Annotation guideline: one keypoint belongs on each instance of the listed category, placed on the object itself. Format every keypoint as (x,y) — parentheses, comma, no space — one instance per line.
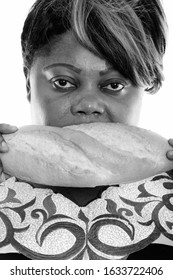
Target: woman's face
(73,86)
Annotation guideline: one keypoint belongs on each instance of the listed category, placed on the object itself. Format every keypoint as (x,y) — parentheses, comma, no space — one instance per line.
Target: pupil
(114,85)
(62,82)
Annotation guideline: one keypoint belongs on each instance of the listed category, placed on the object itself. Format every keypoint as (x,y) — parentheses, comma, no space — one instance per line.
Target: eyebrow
(54,65)
(107,71)
(76,69)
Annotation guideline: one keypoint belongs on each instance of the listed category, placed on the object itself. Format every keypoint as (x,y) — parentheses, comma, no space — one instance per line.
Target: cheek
(38,111)
(127,109)
(47,107)
(134,107)
(50,112)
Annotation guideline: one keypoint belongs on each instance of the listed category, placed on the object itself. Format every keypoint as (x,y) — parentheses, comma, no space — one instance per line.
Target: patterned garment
(43,225)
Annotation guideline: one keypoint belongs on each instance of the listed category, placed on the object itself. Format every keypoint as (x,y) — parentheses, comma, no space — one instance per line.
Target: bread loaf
(85,155)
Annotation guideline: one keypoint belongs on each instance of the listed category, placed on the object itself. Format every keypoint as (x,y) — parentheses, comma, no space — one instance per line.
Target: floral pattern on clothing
(43,225)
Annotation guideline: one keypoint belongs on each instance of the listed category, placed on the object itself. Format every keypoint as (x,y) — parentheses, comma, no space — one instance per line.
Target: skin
(62,95)
(72,86)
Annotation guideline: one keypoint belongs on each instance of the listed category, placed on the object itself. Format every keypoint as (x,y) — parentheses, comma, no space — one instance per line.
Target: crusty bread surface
(85,155)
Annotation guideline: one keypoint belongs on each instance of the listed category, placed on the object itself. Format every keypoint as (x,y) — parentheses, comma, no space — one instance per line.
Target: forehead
(66,49)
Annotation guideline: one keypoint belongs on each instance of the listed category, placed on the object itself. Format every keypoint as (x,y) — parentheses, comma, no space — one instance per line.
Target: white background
(14,108)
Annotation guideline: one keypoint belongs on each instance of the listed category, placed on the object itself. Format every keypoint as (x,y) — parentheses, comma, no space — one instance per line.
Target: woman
(91,61)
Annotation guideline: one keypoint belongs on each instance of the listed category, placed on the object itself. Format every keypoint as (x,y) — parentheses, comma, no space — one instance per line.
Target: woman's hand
(4,129)
(170,153)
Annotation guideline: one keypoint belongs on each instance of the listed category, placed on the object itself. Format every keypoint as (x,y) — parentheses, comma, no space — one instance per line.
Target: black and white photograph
(86,131)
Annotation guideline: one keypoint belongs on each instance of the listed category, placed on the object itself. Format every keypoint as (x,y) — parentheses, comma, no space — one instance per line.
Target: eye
(113,87)
(62,84)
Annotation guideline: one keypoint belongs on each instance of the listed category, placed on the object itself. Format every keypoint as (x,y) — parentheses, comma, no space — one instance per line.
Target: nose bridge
(90,97)
(88,101)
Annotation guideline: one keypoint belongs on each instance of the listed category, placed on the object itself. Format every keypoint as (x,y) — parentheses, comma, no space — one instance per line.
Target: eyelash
(74,85)
(120,87)
(61,87)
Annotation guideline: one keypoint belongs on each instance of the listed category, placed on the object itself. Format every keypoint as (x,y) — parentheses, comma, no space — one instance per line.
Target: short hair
(129,34)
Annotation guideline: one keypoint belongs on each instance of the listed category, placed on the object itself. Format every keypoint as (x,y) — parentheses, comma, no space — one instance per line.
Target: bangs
(128,34)
(114,31)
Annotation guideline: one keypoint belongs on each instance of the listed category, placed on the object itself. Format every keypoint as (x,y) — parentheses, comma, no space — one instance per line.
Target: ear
(28,88)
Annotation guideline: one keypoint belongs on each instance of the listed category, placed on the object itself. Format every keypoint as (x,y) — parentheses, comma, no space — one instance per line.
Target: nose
(88,105)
